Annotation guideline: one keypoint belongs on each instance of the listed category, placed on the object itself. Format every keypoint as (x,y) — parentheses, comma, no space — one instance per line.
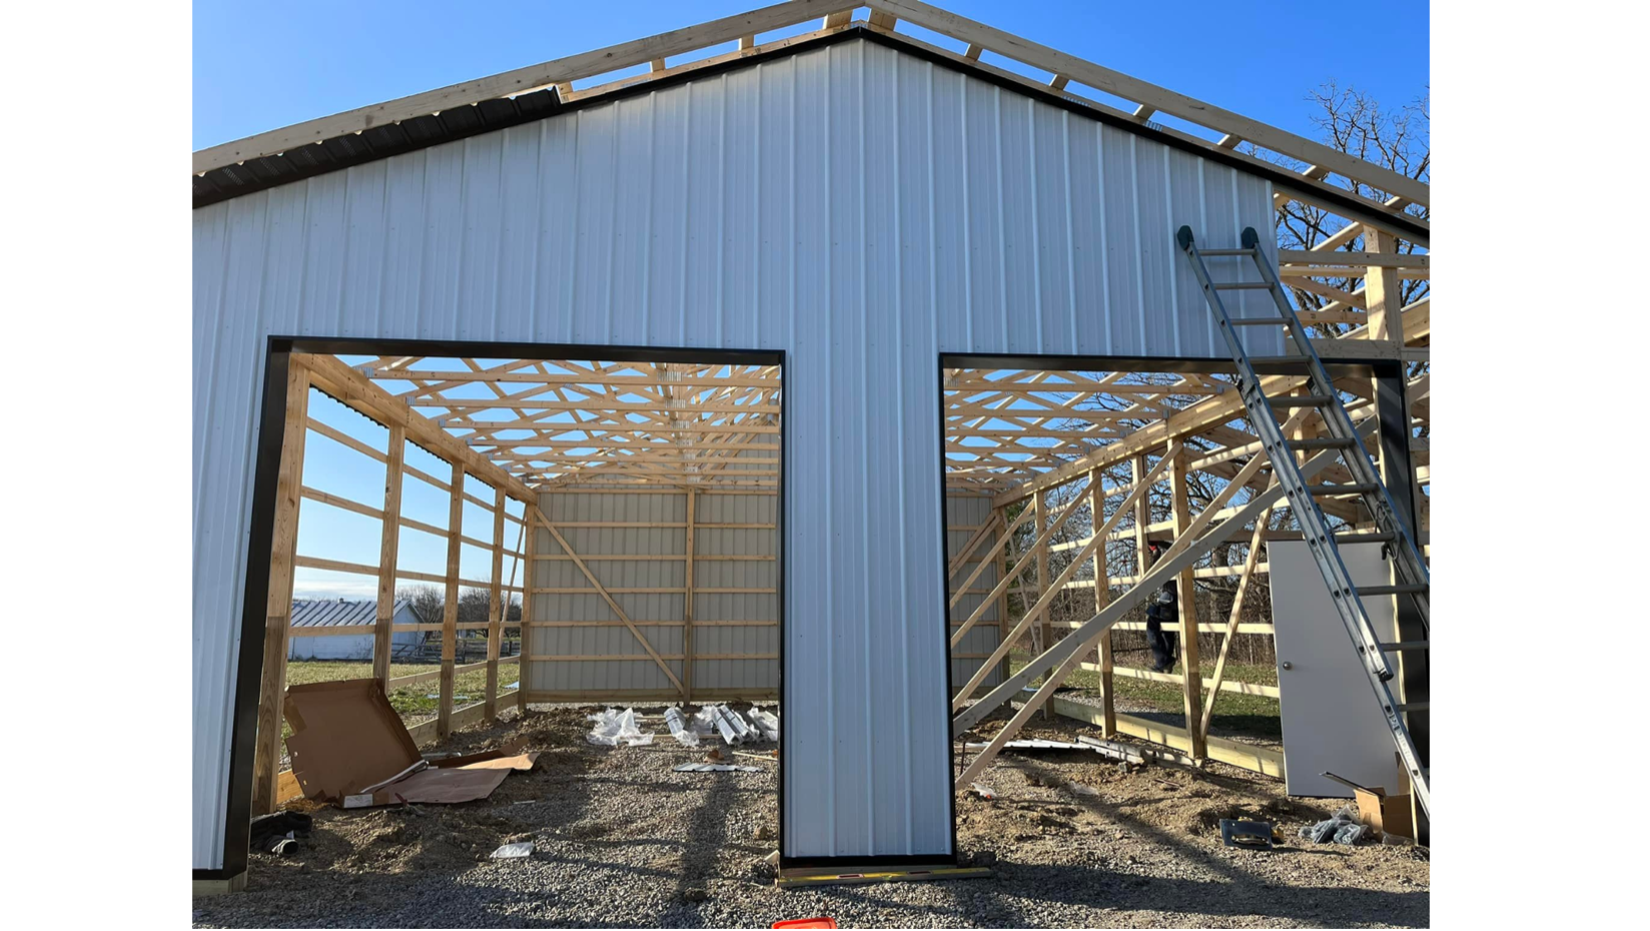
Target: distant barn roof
(338,612)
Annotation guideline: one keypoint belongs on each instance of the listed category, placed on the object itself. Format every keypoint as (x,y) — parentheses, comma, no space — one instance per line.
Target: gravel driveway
(623,841)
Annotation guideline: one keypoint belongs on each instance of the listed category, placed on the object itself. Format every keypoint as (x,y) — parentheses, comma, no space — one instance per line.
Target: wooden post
(1191,673)
(1003,624)
(529,579)
(1102,597)
(498,606)
(1383,290)
(1039,634)
(687,603)
(1236,618)
(389,548)
(283,553)
(1413,667)
(1142,515)
(449,613)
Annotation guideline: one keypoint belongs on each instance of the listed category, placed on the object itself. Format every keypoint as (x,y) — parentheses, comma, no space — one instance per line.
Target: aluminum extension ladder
(1414,580)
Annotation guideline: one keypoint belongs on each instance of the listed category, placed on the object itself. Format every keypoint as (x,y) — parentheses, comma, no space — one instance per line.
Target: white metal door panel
(1331,720)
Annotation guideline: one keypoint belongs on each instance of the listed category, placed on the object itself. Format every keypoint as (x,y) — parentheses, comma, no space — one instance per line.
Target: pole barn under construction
(883,223)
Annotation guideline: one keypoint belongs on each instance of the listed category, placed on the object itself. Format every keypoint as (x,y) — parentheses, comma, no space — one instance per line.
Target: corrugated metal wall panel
(603,677)
(876,189)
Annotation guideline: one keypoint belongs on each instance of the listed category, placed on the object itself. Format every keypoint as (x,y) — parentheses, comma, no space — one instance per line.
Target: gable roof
(514,97)
(338,612)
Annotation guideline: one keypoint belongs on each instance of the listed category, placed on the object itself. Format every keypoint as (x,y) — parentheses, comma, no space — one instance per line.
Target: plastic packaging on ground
(679,729)
(613,726)
(1342,828)
(766,724)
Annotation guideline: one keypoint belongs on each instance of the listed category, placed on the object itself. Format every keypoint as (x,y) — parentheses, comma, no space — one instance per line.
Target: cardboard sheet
(345,737)
(508,756)
(433,787)
(349,746)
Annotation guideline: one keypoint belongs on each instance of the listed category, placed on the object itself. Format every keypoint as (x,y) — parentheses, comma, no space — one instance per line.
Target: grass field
(409,701)
(1243,714)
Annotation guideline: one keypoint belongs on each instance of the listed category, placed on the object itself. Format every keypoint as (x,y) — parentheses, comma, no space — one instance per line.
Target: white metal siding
(860,209)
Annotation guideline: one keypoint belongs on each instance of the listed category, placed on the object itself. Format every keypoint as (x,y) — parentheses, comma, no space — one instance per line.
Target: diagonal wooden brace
(1183,554)
(602,591)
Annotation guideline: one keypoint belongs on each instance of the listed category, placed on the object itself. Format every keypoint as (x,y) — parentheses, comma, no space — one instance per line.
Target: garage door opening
(1059,483)
(494,536)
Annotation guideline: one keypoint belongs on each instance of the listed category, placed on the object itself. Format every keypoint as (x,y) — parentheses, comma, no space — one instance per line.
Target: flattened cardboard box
(348,744)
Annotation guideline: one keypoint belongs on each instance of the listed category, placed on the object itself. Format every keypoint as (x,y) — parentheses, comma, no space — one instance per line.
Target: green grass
(411,700)
(1244,714)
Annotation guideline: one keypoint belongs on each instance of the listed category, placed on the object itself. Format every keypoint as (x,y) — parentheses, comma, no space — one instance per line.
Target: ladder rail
(1319,537)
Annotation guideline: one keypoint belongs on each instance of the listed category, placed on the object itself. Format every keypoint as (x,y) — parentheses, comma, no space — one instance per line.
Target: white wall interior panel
(571,620)
(855,207)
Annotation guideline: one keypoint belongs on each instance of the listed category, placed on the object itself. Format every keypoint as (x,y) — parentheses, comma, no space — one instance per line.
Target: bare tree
(1353,122)
(428,603)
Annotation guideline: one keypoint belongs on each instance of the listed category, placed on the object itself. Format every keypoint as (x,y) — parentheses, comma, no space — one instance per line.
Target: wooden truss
(560,422)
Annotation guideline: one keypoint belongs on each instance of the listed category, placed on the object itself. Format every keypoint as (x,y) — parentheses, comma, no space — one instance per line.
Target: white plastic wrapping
(766,724)
(613,726)
(678,728)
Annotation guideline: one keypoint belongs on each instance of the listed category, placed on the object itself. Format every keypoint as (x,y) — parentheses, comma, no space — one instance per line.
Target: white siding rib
(860,216)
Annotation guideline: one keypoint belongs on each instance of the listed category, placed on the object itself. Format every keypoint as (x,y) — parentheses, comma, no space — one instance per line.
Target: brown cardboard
(345,737)
(434,787)
(349,746)
(508,756)
(1389,814)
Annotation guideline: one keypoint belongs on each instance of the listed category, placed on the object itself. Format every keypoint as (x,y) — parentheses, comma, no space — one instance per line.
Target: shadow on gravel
(1242,893)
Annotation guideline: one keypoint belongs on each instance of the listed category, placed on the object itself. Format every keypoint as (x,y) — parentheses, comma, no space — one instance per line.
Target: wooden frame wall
(556,547)
(333,378)
(1159,457)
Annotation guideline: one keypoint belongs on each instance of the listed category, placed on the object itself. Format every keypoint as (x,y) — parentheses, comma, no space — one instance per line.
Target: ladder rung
(1404,589)
(1357,489)
(1322,442)
(1416,706)
(1405,645)
(1257,321)
(1300,400)
(1365,537)
(1218,252)
(1241,286)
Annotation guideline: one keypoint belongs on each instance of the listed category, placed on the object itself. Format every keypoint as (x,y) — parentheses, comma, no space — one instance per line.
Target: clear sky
(327,532)
(256,71)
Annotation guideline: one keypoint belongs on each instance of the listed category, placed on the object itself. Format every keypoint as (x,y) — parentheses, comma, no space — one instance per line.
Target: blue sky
(258,72)
(327,532)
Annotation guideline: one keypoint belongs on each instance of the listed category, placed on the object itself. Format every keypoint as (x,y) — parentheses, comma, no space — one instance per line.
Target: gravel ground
(622,841)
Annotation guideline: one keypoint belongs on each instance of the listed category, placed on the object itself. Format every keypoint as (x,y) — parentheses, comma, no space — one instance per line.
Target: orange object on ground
(807,923)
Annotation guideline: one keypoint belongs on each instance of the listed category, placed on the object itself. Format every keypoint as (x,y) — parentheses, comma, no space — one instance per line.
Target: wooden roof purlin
(1014,433)
(558,422)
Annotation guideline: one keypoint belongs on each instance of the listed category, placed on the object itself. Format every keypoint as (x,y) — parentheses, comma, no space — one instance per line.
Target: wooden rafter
(557,422)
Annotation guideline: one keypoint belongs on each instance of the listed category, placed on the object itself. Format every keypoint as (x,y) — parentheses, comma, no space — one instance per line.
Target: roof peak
(538,91)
